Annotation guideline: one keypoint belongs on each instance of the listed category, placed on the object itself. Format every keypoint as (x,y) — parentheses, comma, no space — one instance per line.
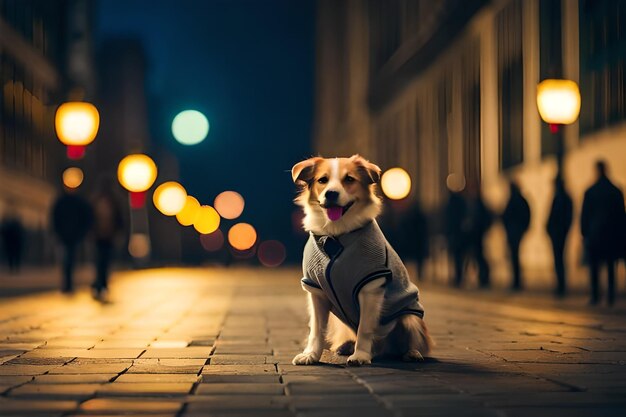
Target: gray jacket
(340,266)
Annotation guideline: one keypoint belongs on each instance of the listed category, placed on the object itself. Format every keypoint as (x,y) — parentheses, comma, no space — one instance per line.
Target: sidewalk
(219,342)
(37,279)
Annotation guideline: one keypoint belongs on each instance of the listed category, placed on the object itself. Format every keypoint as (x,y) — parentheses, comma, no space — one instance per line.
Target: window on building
(602,63)
(510,84)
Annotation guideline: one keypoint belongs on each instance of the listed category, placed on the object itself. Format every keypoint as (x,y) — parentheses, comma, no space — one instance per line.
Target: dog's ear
(302,172)
(370,173)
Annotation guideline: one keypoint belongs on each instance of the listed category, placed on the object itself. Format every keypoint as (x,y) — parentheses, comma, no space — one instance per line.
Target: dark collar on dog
(332,245)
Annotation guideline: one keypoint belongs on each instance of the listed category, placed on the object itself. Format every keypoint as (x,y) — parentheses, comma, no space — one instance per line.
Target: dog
(351,271)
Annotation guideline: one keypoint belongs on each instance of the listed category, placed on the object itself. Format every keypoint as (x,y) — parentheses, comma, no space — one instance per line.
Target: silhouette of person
(108,225)
(559,223)
(455,213)
(72,218)
(516,219)
(415,232)
(477,222)
(601,223)
(12,234)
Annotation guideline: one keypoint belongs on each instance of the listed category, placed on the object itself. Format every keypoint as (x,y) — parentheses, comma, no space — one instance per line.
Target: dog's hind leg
(417,341)
(341,337)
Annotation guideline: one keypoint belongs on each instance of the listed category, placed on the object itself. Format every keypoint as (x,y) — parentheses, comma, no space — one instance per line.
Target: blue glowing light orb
(190,127)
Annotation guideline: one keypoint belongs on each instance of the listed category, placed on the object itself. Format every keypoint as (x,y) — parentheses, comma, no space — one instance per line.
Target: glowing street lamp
(169,198)
(73,177)
(137,173)
(396,183)
(558,102)
(76,124)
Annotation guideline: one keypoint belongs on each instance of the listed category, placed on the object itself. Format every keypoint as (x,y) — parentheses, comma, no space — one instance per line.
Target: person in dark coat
(72,218)
(476,224)
(559,223)
(108,225)
(516,220)
(601,223)
(455,213)
(415,232)
(12,234)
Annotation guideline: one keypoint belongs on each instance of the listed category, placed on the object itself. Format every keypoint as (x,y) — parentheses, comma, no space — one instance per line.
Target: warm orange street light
(76,125)
(396,183)
(73,177)
(188,214)
(137,173)
(242,236)
(207,220)
(169,198)
(558,101)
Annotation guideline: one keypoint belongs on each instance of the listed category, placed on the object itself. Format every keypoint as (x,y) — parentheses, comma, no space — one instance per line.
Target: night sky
(249,66)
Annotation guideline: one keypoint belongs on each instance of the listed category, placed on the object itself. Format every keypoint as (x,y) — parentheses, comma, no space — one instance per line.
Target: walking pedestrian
(108,226)
(516,219)
(455,213)
(601,222)
(72,218)
(12,234)
(415,232)
(476,225)
(559,223)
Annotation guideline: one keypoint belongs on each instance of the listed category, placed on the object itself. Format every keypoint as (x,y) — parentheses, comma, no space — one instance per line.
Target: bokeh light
(242,236)
(190,127)
(396,183)
(207,220)
(169,198)
(188,214)
(212,242)
(229,204)
(558,101)
(272,253)
(137,172)
(73,177)
(76,123)
(455,182)
(139,245)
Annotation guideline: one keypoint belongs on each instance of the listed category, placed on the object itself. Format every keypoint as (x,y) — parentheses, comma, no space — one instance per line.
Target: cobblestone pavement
(219,342)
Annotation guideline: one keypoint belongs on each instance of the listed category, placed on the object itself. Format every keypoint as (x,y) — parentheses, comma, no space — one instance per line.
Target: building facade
(447,90)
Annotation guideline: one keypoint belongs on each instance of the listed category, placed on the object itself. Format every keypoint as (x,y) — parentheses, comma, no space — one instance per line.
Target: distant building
(37,38)
(449,87)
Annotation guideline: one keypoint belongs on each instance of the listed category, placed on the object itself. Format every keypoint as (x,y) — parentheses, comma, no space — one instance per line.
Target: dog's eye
(322,180)
(348,178)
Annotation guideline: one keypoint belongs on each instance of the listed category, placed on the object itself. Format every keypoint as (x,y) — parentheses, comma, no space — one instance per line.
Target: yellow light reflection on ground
(229,204)
(170,198)
(73,177)
(188,214)
(207,220)
(242,236)
(396,183)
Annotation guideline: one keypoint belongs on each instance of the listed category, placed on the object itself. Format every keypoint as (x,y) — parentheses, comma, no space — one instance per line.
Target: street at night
(312,208)
(219,342)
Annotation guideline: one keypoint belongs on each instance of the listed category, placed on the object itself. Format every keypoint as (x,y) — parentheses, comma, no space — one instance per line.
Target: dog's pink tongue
(334,213)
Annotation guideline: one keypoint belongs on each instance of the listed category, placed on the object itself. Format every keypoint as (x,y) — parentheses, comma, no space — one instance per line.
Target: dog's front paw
(306,358)
(413,356)
(359,358)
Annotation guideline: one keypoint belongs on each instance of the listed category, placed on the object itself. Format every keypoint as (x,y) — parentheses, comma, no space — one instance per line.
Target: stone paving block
(206,403)
(73,378)
(214,369)
(356,411)
(144,389)
(240,388)
(25,369)
(257,379)
(38,361)
(238,359)
(55,391)
(259,412)
(321,369)
(115,406)
(167,366)
(170,343)
(318,402)
(195,352)
(8,380)
(251,349)
(157,378)
(72,368)
(122,344)
(25,406)
(325,388)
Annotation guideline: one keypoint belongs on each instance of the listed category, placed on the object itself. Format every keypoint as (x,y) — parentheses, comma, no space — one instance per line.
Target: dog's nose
(332,196)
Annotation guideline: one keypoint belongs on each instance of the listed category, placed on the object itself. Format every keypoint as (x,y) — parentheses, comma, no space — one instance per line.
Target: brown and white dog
(338,196)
